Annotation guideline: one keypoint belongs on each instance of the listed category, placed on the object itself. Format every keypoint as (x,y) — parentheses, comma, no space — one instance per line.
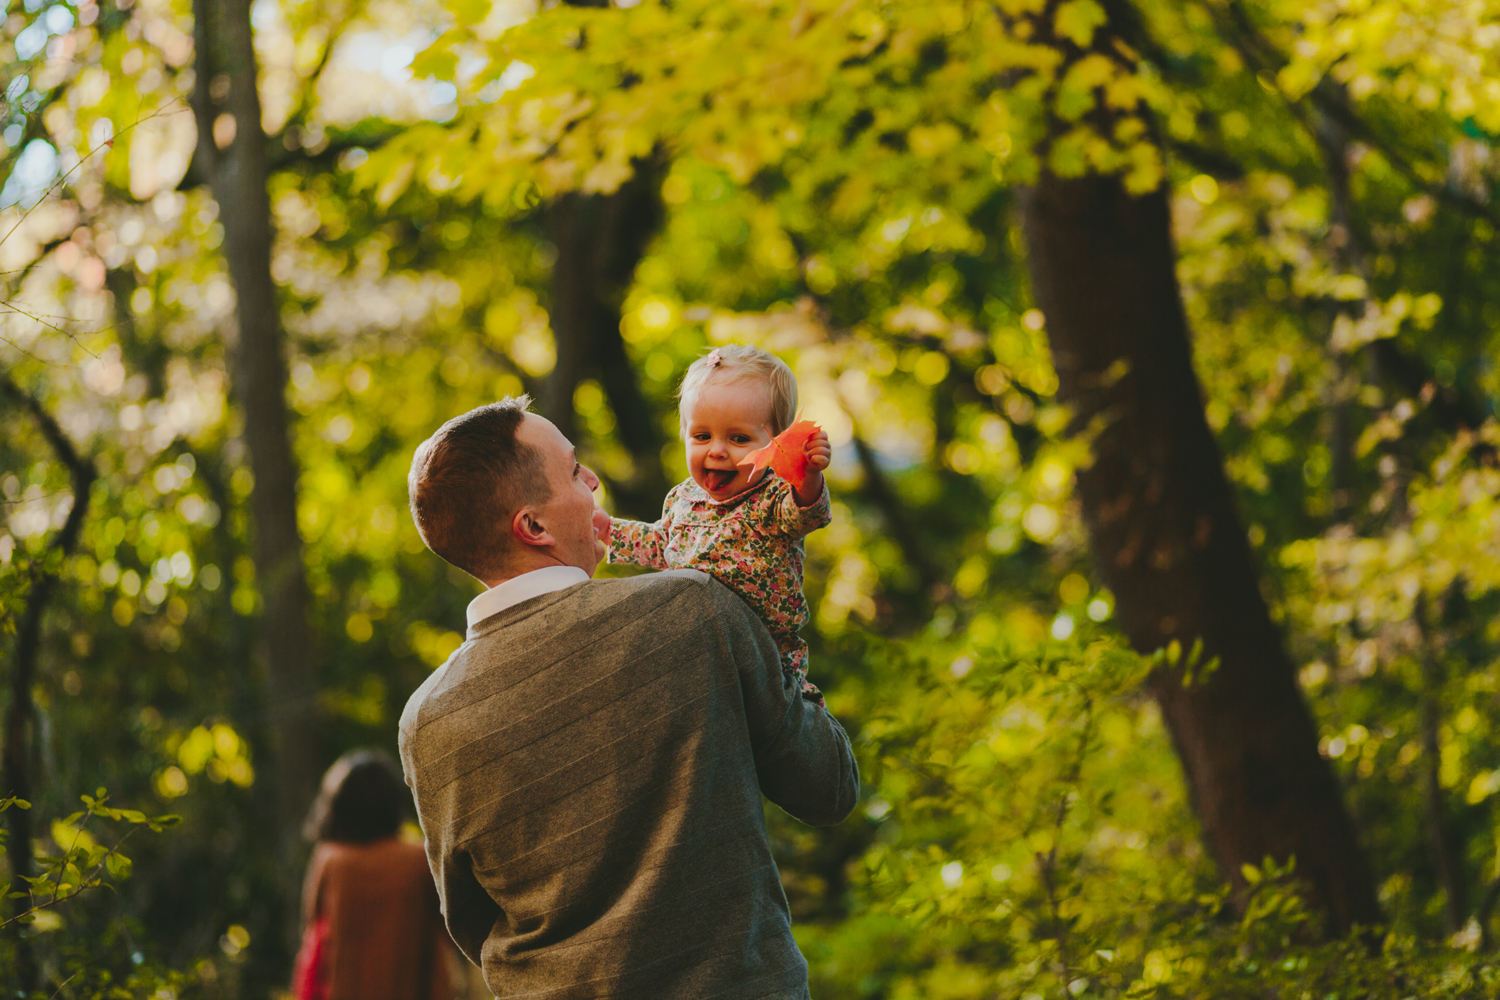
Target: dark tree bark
(149,356)
(1168,541)
(226,85)
(20,714)
(1441,840)
(600,240)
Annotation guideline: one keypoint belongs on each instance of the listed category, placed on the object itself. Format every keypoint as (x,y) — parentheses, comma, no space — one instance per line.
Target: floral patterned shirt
(752,543)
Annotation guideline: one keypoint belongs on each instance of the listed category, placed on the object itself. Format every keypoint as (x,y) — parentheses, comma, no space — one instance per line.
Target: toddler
(743,526)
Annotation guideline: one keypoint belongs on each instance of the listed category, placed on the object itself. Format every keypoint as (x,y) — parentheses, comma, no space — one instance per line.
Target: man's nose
(589,479)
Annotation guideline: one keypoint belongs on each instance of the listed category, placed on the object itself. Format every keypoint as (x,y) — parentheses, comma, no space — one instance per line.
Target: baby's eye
(700,437)
(740,439)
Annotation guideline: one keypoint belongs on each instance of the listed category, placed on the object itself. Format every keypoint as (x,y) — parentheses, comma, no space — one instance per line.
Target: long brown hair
(362,799)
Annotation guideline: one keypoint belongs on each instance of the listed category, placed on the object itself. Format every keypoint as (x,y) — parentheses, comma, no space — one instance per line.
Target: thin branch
(81,469)
(57,882)
(26,500)
(93,880)
(106,144)
(64,983)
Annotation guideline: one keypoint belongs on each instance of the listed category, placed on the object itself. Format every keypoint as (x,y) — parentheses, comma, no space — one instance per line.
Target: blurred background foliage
(837,183)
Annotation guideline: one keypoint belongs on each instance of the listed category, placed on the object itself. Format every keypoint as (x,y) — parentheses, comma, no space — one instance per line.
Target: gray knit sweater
(588,768)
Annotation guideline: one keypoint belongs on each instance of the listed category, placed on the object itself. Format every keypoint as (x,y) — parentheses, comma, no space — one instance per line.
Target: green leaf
(469,12)
(439,63)
(1077,20)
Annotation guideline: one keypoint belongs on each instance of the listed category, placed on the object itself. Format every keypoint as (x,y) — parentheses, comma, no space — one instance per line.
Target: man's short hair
(468,480)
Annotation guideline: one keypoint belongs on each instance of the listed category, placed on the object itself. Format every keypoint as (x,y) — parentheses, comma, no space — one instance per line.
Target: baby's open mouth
(718,479)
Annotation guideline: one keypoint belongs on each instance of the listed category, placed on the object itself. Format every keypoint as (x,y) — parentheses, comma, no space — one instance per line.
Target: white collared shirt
(523,588)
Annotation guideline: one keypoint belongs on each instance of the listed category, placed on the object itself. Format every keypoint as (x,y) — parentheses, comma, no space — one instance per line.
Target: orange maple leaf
(786,454)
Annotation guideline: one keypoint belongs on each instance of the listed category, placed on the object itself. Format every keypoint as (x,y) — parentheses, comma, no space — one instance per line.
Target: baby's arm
(788,516)
(636,543)
(818,454)
(799,511)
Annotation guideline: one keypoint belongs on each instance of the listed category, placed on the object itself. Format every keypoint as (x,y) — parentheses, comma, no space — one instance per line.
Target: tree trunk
(20,714)
(238,175)
(1440,836)
(1168,542)
(600,240)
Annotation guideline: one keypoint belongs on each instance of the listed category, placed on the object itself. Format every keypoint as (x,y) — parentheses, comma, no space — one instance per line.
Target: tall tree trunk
(226,85)
(600,240)
(1440,837)
(20,714)
(1168,541)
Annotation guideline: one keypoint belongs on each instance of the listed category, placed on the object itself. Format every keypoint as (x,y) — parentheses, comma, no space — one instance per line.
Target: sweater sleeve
(468,910)
(788,517)
(803,759)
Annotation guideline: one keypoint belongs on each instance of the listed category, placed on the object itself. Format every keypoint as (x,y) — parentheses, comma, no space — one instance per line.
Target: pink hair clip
(714,358)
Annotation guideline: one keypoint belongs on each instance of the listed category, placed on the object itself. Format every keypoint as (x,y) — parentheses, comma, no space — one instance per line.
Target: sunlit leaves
(732,84)
(84,862)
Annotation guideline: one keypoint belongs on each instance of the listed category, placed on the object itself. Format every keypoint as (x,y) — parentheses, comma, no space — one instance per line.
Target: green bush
(1032,840)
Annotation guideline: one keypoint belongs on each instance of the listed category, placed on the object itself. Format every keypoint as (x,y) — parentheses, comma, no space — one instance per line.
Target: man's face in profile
(578,526)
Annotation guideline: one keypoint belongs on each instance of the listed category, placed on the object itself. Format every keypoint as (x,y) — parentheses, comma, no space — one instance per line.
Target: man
(588,766)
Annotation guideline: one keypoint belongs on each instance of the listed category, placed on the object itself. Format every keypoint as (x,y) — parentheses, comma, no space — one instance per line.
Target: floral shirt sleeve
(636,543)
(785,516)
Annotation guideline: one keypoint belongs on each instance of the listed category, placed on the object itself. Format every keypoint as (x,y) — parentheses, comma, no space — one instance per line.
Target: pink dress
(752,543)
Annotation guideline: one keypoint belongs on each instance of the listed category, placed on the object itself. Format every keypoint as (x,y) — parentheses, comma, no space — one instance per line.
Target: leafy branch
(84,864)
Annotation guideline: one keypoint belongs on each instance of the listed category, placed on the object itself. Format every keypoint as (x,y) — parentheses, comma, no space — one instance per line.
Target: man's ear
(528,529)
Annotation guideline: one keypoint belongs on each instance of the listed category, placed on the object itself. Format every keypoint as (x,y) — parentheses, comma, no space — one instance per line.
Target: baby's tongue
(718,479)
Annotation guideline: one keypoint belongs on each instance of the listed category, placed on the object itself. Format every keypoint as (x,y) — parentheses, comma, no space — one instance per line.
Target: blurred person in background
(372,929)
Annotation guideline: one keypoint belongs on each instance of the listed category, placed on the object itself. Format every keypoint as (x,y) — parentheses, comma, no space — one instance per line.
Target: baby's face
(722,424)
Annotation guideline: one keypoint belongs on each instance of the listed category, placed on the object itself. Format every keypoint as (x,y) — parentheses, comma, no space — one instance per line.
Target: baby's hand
(818,452)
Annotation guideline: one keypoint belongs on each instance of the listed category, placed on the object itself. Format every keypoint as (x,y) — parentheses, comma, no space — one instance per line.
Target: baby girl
(745,526)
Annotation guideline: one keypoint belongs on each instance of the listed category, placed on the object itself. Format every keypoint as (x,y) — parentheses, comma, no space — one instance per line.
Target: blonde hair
(742,363)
